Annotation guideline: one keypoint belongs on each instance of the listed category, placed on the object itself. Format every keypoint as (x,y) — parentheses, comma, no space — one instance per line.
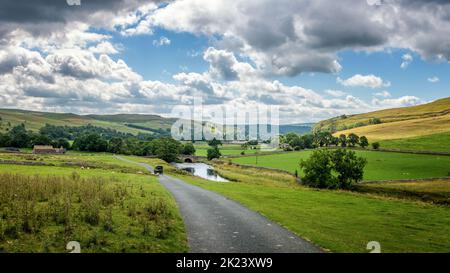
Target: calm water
(201,170)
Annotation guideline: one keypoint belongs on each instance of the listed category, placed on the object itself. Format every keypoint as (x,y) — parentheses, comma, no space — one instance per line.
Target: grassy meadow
(226,150)
(432,143)
(339,221)
(105,204)
(381,165)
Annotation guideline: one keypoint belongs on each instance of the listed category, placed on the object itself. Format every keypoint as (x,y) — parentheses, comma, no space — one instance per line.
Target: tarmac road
(216,224)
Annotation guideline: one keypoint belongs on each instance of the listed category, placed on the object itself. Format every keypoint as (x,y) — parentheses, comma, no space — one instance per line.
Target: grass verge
(337,220)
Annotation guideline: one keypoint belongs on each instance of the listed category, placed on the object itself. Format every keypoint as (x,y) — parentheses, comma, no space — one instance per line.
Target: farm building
(44,149)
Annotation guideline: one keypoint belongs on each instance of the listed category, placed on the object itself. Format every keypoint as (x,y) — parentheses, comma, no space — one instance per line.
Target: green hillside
(127,123)
(439,108)
(424,127)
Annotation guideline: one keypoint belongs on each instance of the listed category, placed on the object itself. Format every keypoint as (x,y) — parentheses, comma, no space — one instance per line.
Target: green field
(226,150)
(337,220)
(109,206)
(433,143)
(381,165)
(36,120)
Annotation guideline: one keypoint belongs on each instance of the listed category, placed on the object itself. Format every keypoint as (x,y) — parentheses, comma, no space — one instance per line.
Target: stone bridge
(189,158)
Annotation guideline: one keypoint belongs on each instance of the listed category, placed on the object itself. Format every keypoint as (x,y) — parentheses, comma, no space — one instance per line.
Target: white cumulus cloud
(359,80)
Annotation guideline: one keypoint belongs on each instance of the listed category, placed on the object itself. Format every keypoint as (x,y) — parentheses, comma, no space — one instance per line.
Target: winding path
(216,224)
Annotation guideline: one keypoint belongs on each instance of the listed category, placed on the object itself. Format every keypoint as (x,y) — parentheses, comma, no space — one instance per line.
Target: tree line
(96,139)
(293,141)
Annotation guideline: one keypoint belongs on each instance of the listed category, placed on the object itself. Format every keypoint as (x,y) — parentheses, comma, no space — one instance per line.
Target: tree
(213,153)
(317,169)
(349,167)
(353,139)
(55,132)
(115,145)
(40,139)
(363,142)
(5,140)
(214,142)
(19,137)
(296,142)
(167,149)
(90,143)
(323,138)
(308,141)
(337,169)
(376,145)
(334,141)
(188,149)
(343,140)
(62,142)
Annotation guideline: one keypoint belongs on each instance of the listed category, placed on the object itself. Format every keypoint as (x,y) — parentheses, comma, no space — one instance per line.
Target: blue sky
(185,53)
(312,59)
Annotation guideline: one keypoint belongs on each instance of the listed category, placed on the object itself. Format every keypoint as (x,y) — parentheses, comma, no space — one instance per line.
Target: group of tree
(292,141)
(72,132)
(95,139)
(19,137)
(165,148)
(333,169)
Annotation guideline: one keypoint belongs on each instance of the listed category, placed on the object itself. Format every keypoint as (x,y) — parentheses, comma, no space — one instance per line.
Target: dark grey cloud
(334,25)
(43,16)
(285,37)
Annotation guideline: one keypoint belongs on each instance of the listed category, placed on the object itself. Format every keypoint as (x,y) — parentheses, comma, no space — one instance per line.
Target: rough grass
(106,210)
(431,191)
(433,143)
(76,160)
(337,220)
(381,165)
(437,108)
(403,129)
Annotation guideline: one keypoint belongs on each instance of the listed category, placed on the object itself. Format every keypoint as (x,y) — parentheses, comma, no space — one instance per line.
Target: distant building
(45,149)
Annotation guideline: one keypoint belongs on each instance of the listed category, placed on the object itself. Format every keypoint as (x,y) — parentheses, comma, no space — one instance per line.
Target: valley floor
(141,216)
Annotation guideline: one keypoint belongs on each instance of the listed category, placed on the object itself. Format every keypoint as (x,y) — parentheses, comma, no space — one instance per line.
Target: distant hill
(127,123)
(302,128)
(419,125)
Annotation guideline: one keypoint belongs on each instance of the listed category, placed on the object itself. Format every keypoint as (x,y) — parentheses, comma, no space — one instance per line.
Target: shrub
(213,153)
(188,149)
(376,145)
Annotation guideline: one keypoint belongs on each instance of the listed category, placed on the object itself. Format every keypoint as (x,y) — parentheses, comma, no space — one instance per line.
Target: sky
(312,59)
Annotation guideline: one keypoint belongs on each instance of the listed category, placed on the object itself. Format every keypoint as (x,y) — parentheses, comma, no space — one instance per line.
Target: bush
(188,149)
(376,145)
(213,153)
(337,169)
